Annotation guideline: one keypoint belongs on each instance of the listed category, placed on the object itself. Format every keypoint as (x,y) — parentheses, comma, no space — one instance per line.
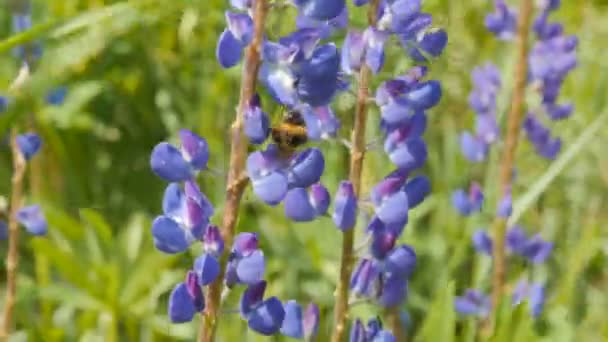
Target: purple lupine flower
(537,250)
(212,241)
(357,332)
(32,218)
(537,299)
(374,48)
(429,44)
(505,206)
(207,268)
(540,136)
(304,206)
(318,76)
(246,263)
(266,170)
(298,206)
(234,39)
(353,52)
(503,22)
(3,230)
(474,303)
(390,201)
(400,262)
(3,103)
(176,165)
(22,22)
(383,241)
(297,70)
(534,293)
(345,207)
(319,198)
(320,9)
(417,189)
(185,216)
(516,239)
(486,85)
(263,316)
(393,292)
(325,27)
(57,96)
(29,144)
(473,148)
(363,281)
(256,122)
(321,122)
(310,321)
(558,111)
(468,203)
(553,58)
(186,300)
(406,153)
(482,242)
(373,332)
(293,323)
(305,168)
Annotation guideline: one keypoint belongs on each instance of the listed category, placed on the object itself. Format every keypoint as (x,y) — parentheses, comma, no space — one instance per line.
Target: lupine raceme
(25,145)
(543,68)
(304,71)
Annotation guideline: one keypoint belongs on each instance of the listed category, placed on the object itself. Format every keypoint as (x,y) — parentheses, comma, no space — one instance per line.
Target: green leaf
(440,322)
(101,227)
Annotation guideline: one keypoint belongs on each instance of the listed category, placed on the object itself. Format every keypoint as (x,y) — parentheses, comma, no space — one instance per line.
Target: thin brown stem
(393,320)
(236,184)
(357,154)
(12,259)
(515,118)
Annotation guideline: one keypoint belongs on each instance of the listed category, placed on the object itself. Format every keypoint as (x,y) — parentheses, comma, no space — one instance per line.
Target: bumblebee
(290,133)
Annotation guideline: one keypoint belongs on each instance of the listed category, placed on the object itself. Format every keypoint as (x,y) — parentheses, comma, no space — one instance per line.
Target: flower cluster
(551,59)
(533,249)
(382,273)
(186,219)
(303,72)
(372,332)
(29,144)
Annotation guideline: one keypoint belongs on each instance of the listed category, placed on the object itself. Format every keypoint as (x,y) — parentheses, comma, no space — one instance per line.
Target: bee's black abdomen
(297,140)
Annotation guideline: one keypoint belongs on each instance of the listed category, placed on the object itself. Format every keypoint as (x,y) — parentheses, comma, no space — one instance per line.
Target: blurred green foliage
(137,71)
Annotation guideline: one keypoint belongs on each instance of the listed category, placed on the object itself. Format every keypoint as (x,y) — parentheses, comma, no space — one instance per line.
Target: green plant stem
(236,182)
(12,259)
(514,123)
(357,154)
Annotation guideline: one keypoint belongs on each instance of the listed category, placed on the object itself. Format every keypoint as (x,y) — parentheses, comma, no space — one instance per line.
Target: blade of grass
(528,199)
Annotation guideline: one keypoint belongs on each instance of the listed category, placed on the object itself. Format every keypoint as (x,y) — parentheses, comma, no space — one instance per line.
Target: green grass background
(137,71)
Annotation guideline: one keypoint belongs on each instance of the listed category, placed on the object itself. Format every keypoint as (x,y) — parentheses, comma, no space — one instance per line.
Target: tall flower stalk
(237,179)
(507,163)
(357,155)
(539,72)
(12,259)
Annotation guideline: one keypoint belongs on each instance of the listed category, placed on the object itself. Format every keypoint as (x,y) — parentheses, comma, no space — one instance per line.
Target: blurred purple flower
(474,303)
(468,203)
(32,218)
(29,144)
